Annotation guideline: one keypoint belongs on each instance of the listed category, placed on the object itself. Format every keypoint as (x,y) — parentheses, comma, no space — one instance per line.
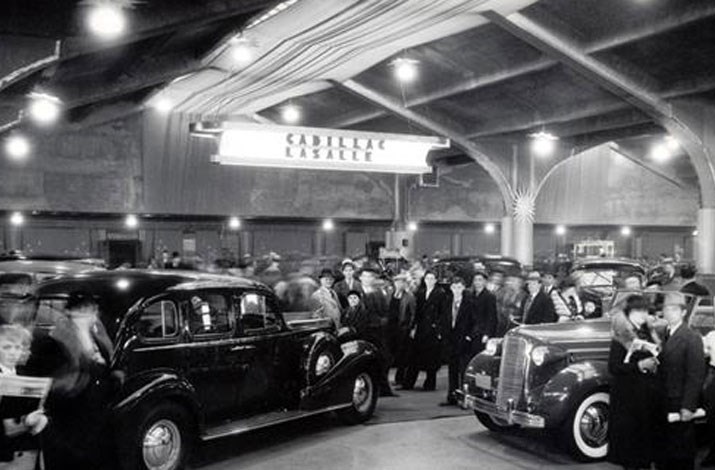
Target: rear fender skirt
(563,393)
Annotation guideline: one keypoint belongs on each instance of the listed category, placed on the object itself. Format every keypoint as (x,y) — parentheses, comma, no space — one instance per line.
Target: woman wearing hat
(633,429)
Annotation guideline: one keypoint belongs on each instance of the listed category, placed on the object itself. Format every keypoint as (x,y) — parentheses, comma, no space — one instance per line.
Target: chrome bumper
(511,416)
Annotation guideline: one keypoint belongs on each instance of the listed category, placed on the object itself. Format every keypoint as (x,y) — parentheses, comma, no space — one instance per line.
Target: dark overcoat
(541,310)
(635,421)
(432,320)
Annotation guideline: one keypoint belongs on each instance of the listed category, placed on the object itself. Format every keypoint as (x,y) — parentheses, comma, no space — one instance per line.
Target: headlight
(538,355)
(492,347)
(323,364)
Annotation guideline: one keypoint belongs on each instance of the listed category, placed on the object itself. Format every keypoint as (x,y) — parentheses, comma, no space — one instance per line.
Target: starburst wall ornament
(524,205)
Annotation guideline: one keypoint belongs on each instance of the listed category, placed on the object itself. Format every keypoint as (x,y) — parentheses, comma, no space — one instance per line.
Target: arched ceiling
(478,76)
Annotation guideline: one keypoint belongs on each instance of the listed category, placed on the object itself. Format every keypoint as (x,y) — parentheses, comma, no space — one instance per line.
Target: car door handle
(243,347)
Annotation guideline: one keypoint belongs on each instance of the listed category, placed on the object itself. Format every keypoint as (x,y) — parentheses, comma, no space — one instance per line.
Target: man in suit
(349,283)
(461,336)
(683,372)
(325,300)
(690,285)
(537,307)
(485,308)
(402,309)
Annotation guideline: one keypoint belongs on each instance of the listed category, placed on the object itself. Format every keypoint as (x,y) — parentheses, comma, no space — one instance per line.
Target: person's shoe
(708,461)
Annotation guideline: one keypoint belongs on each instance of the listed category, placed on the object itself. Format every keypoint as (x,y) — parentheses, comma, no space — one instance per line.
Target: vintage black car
(555,377)
(465,267)
(597,279)
(206,356)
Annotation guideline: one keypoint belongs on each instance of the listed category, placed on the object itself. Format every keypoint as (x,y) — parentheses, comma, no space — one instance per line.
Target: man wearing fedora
(537,307)
(683,372)
(325,300)
(348,283)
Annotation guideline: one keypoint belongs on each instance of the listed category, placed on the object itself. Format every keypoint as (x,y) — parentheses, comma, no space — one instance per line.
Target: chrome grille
(511,370)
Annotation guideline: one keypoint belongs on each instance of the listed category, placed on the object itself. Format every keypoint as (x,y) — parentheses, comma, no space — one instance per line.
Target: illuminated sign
(319,149)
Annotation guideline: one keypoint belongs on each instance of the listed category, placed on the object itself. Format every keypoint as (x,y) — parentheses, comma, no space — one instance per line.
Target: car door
(213,359)
(258,329)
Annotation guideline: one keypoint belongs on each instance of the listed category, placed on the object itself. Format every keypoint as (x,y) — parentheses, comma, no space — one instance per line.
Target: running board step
(263,421)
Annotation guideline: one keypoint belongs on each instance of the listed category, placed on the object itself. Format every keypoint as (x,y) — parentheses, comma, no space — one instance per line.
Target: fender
(314,345)
(563,393)
(160,383)
(360,355)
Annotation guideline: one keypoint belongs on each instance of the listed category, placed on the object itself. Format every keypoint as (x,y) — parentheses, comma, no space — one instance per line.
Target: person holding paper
(635,390)
(683,372)
(20,420)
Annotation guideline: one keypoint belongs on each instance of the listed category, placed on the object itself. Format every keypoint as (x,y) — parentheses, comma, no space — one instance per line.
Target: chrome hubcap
(161,447)
(362,392)
(594,425)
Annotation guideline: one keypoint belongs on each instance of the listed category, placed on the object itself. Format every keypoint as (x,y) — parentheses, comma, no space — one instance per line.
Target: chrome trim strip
(241,428)
(138,393)
(215,342)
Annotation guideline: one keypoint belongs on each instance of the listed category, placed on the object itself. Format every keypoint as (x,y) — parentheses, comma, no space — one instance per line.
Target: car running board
(263,421)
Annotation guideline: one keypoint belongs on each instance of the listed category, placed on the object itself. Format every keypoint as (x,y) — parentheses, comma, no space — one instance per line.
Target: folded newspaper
(21,394)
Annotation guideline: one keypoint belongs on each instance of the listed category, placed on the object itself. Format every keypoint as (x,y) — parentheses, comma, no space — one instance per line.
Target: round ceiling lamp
(489,229)
(412,226)
(234,223)
(543,143)
(291,114)
(131,221)
(44,109)
(106,20)
(405,70)
(17,147)
(560,230)
(17,219)
(328,225)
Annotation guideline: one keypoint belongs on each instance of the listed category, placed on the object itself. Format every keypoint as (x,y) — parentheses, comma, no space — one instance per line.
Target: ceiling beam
(630,90)
(431,126)
(647,166)
(644,32)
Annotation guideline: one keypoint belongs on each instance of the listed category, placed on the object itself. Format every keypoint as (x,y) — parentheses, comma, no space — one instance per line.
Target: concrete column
(456,248)
(319,243)
(246,243)
(507,236)
(705,241)
(524,241)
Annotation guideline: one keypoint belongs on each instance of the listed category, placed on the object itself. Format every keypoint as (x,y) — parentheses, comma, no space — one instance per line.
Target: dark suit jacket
(541,310)
(683,369)
(485,305)
(432,321)
(463,333)
(406,314)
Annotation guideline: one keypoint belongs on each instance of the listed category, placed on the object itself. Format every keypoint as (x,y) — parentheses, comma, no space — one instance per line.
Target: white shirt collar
(7,370)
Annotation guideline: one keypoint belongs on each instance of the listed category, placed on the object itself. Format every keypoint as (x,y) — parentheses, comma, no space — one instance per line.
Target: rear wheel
(159,440)
(493,424)
(364,399)
(586,430)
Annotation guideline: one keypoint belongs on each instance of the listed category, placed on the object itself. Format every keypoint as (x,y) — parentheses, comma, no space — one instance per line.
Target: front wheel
(364,399)
(586,430)
(493,424)
(159,440)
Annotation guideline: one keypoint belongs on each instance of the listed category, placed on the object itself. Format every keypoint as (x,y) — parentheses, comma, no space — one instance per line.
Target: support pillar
(456,243)
(245,243)
(524,241)
(704,243)
(507,236)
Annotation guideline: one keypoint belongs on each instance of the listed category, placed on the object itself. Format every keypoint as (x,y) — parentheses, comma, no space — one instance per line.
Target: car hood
(569,334)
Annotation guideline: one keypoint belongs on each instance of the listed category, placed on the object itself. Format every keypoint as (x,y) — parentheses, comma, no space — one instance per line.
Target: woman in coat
(635,406)
(432,320)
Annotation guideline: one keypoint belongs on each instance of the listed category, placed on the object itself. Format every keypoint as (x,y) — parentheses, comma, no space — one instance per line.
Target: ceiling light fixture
(131,221)
(328,225)
(17,219)
(291,114)
(560,230)
(660,153)
(412,226)
(17,147)
(695,233)
(543,143)
(672,143)
(241,51)
(44,109)
(234,223)
(490,229)
(626,231)
(163,105)
(107,19)
(405,69)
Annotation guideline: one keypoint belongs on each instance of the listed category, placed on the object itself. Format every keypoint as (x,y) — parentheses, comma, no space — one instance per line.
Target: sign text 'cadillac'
(319,149)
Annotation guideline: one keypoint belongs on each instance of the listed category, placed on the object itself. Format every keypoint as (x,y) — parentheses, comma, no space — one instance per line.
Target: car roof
(605,263)
(46,266)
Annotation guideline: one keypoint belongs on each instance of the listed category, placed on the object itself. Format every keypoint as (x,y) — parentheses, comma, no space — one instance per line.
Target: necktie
(529,301)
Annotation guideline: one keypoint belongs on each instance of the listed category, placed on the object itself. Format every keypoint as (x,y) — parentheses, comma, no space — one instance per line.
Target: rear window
(15,284)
